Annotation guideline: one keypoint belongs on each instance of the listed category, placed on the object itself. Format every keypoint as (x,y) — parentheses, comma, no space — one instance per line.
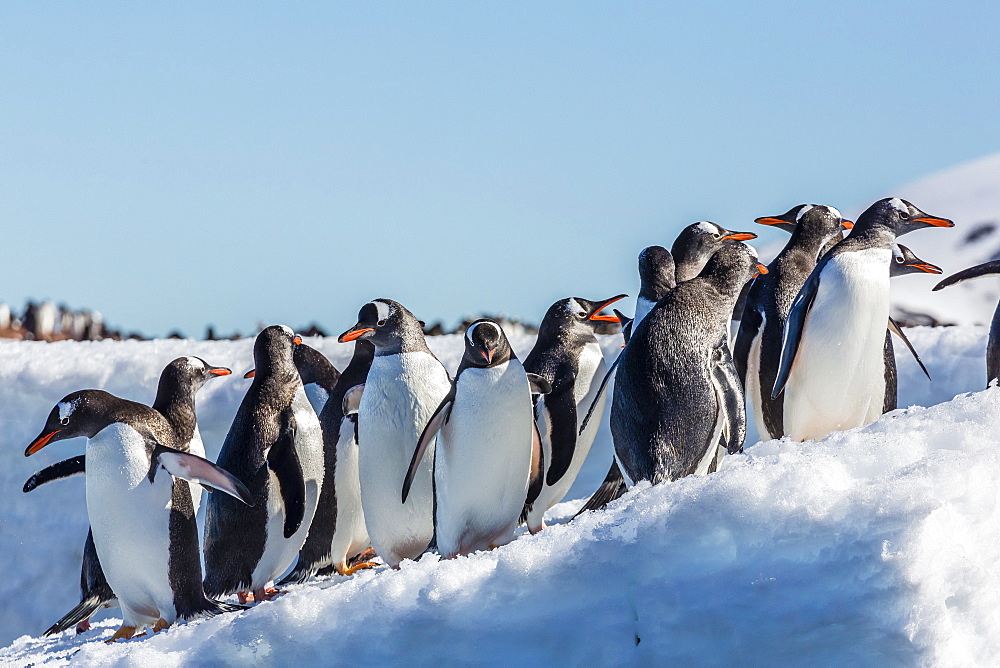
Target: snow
(877,545)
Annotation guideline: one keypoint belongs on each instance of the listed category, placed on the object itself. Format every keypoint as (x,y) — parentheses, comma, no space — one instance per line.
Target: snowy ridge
(874,546)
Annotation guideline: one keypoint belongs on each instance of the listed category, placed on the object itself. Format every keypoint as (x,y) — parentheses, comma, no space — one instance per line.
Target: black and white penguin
(993,345)
(142,519)
(674,401)
(488,449)
(697,243)
(844,306)
(175,400)
(788,220)
(757,350)
(568,356)
(656,279)
(275,446)
(318,374)
(405,384)
(338,533)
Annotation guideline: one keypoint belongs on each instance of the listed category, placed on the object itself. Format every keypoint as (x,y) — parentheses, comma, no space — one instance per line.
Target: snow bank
(877,545)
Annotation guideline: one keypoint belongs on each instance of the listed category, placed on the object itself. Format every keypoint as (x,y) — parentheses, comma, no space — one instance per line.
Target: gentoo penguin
(405,384)
(338,533)
(843,306)
(656,279)
(488,446)
(757,350)
(673,400)
(275,446)
(993,345)
(697,243)
(568,356)
(142,520)
(319,376)
(788,220)
(179,382)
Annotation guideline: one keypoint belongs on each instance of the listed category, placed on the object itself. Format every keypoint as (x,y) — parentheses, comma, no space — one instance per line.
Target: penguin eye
(64,421)
(582,314)
(904,215)
(380,323)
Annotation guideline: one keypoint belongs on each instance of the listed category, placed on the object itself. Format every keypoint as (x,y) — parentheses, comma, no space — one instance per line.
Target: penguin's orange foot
(356,567)
(266,594)
(161,625)
(124,633)
(244,597)
(367,555)
(83,626)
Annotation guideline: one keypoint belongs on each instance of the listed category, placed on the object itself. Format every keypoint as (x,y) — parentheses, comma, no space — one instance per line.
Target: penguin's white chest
(484,459)
(401,394)
(838,373)
(642,308)
(753,384)
(350,536)
(196,447)
(280,552)
(130,518)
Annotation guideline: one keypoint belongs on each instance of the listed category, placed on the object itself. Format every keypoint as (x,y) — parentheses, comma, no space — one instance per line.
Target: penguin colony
(324,472)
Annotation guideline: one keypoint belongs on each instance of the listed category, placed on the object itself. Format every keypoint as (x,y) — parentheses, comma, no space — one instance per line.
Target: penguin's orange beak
(929,268)
(770,220)
(936,222)
(354,334)
(739,236)
(761,269)
(252,373)
(596,315)
(297,340)
(488,355)
(848,224)
(220,371)
(40,443)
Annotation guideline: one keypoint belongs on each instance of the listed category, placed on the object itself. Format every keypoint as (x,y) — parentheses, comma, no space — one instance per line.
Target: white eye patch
(468,332)
(66,408)
(803,211)
(899,205)
(573,306)
(383,310)
(707,227)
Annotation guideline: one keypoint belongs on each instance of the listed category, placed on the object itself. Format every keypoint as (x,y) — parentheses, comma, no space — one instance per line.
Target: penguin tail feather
(209,607)
(612,488)
(298,575)
(82,611)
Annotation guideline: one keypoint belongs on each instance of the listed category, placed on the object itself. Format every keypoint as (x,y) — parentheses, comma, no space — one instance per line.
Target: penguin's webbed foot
(124,633)
(244,597)
(266,594)
(161,625)
(83,626)
(351,570)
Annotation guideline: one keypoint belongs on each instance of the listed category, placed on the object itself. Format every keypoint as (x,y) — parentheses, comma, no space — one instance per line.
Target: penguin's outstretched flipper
(898,331)
(438,420)
(794,325)
(64,469)
(612,488)
(197,469)
(730,393)
(984,269)
(82,611)
(283,460)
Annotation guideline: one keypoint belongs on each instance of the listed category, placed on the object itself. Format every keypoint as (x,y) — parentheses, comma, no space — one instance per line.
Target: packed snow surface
(877,546)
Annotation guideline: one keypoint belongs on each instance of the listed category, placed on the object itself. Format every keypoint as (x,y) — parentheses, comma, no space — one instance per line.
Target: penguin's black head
(898,215)
(82,413)
(576,317)
(656,273)
(486,345)
(697,242)
(905,261)
(314,367)
(388,325)
(815,220)
(272,350)
(731,267)
(189,374)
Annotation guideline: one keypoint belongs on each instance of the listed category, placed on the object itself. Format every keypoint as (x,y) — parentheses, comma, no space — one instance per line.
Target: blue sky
(174,164)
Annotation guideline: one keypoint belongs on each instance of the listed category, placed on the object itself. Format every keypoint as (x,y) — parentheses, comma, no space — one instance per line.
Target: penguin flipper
(538,384)
(82,611)
(352,399)
(600,390)
(991,267)
(197,469)
(612,488)
(730,393)
(64,469)
(794,325)
(438,419)
(561,408)
(749,328)
(898,331)
(283,460)
(536,475)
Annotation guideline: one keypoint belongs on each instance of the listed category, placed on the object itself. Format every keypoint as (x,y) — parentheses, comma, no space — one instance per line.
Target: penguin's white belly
(642,308)
(484,459)
(590,373)
(317,396)
(196,447)
(401,394)
(753,385)
(280,552)
(839,370)
(130,518)
(350,537)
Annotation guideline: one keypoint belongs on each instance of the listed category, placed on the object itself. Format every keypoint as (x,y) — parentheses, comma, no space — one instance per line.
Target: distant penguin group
(325,472)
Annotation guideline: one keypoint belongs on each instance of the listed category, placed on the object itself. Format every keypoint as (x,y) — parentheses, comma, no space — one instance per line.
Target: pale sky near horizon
(175,165)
